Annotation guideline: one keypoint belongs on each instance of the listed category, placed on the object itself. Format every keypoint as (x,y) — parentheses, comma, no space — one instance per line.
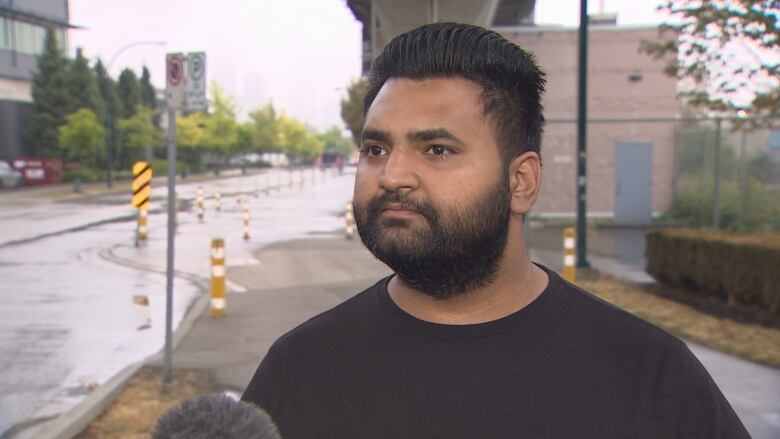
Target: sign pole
(182,93)
(171,235)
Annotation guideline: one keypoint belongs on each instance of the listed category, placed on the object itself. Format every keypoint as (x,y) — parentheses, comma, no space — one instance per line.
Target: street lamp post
(110,107)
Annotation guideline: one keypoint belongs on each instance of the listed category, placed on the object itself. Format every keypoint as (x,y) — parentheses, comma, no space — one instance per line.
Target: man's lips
(395,209)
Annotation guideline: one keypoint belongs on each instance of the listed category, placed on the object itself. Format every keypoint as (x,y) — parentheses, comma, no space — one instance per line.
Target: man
(469,338)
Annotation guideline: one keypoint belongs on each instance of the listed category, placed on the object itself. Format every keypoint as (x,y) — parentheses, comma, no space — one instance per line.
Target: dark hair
(512,83)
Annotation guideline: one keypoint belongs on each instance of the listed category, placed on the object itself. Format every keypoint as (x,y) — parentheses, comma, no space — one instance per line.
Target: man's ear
(525,178)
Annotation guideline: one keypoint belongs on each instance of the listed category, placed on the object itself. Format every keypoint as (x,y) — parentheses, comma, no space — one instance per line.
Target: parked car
(9,177)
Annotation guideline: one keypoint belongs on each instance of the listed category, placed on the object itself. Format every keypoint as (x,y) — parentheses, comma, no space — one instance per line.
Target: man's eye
(439,150)
(373,150)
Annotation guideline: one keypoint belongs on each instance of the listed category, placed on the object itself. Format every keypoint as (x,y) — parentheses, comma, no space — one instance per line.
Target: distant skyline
(300,55)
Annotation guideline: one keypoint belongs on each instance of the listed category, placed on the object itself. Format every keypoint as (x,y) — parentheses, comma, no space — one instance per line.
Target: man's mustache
(402,200)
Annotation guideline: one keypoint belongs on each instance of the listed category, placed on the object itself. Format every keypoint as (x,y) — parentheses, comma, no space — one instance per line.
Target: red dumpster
(38,170)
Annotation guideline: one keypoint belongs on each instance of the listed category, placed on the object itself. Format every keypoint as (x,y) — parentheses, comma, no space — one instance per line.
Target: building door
(633,182)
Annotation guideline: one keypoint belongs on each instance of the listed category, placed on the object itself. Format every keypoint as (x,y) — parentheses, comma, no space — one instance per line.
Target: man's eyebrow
(376,135)
(433,134)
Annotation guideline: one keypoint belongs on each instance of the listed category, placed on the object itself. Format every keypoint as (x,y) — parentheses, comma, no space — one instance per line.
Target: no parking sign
(186,81)
(174,80)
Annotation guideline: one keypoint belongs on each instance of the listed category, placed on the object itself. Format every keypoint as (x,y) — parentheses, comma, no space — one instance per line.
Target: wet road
(70,322)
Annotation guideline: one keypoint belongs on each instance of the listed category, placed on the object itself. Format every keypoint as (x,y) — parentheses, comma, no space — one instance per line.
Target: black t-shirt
(568,365)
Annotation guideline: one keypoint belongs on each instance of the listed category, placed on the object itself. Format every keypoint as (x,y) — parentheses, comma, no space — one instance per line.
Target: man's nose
(399,172)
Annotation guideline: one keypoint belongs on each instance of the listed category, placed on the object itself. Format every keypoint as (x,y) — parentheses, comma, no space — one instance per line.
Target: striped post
(217,199)
(569,255)
(246,220)
(142,190)
(199,203)
(349,219)
(218,287)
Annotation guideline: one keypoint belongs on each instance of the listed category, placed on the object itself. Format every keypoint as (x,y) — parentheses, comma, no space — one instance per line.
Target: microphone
(215,417)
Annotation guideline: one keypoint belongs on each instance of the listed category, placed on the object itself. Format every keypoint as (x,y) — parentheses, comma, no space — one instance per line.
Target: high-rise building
(23,26)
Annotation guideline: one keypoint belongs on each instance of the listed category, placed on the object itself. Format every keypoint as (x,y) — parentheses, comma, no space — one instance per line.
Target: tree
(83,87)
(129,91)
(148,94)
(221,134)
(352,108)
(296,140)
(264,124)
(190,137)
(107,88)
(51,99)
(723,50)
(136,135)
(334,141)
(82,137)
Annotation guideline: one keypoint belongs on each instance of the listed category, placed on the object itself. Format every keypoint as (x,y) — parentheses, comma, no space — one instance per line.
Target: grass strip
(751,342)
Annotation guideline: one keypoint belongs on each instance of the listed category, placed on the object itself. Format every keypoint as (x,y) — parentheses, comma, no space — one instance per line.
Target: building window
(4,37)
(26,37)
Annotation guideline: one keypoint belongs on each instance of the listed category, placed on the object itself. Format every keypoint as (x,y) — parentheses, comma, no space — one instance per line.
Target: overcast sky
(298,53)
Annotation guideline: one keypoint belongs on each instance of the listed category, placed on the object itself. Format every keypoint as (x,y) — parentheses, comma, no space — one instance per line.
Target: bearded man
(469,338)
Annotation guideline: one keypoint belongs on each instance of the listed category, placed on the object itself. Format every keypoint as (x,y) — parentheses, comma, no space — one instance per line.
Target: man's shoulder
(348,317)
(603,323)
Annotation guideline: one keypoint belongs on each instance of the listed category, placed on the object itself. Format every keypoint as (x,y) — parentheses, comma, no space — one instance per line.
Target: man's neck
(517,283)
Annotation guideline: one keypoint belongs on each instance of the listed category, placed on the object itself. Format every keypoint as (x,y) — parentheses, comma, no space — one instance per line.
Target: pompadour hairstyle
(512,83)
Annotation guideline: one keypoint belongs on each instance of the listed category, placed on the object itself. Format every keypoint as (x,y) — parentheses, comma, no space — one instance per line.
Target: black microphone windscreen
(215,417)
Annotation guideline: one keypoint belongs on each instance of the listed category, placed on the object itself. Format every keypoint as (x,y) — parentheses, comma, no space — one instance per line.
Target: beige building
(622,84)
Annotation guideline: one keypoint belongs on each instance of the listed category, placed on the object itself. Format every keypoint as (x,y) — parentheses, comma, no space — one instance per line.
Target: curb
(75,420)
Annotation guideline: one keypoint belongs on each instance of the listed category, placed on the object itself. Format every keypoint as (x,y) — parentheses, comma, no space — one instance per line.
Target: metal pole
(582,105)
(743,175)
(171,236)
(110,156)
(716,176)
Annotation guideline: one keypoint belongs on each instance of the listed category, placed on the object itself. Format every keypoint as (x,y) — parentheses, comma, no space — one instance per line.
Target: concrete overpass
(384,19)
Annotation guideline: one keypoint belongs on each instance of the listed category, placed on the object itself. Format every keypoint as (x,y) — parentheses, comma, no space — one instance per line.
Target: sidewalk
(295,280)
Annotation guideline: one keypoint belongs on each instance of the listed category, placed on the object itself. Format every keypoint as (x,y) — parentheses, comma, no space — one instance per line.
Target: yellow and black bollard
(142,190)
(349,219)
(569,255)
(218,272)
(246,219)
(199,203)
(217,199)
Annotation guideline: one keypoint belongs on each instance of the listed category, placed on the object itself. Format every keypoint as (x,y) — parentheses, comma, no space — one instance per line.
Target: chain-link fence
(727,175)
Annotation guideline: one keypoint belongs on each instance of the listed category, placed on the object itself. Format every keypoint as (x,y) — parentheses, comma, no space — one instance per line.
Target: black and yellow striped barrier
(199,203)
(569,255)
(245,208)
(218,272)
(142,191)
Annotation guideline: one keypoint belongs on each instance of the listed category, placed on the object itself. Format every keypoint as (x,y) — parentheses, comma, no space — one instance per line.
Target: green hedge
(734,267)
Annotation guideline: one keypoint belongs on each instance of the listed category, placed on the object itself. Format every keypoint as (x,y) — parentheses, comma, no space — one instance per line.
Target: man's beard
(454,251)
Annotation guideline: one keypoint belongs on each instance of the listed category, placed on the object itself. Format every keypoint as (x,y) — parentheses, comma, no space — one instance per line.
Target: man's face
(431,194)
